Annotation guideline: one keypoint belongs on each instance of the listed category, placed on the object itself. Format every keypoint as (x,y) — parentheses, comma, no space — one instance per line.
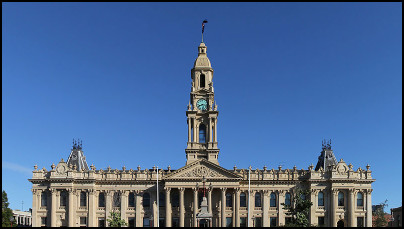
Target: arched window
(83,199)
(320,199)
(288,199)
(101,200)
(202,80)
(175,199)
(229,200)
(202,133)
(359,199)
(272,202)
(146,200)
(243,200)
(257,199)
(63,198)
(162,199)
(116,200)
(131,199)
(44,199)
(340,199)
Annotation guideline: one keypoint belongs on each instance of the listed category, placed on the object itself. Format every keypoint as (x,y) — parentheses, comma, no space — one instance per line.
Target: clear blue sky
(286,76)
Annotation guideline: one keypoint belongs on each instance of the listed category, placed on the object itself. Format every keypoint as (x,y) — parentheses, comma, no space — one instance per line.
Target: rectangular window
(132,222)
(175,222)
(229,222)
(359,222)
(101,222)
(258,222)
(321,221)
(44,199)
(83,199)
(272,222)
(43,221)
(243,221)
(162,222)
(146,222)
(83,221)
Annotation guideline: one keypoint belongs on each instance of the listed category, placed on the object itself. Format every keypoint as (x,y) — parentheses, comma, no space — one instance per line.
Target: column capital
(53,190)
(281,192)
(34,191)
(352,190)
(124,193)
(167,189)
(237,190)
(334,191)
(369,191)
(266,192)
(223,189)
(315,191)
(181,189)
(195,189)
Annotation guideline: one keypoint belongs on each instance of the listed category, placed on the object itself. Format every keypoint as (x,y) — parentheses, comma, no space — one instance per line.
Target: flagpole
(248,213)
(158,197)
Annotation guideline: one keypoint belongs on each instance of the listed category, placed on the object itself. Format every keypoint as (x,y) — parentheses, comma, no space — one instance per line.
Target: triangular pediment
(202,168)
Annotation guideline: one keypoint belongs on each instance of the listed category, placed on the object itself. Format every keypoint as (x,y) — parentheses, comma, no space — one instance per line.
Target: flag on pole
(203,24)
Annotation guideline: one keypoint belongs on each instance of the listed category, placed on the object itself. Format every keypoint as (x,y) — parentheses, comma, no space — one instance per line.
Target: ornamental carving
(61,169)
(201,171)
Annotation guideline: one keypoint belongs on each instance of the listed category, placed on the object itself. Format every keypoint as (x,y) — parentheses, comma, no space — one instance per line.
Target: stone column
(210,200)
(251,206)
(369,208)
(237,192)
(35,206)
(138,211)
(265,209)
(195,136)
(182,218)
(210,130)
(195,206)
(124,204)
(71,208)
(215,129)
(334,206)
(351,208)
(53,207)
(313,207)
(223,206)
(281,199)
(92,208)
(168,207)
(108,205)
(234,209)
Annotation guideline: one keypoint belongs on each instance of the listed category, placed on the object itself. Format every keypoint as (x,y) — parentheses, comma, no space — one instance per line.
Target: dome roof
(202,60)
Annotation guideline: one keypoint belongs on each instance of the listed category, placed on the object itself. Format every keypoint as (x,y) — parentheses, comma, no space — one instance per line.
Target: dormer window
(202,80)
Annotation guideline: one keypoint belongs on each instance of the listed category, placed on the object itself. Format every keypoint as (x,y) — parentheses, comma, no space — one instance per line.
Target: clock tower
(202,112)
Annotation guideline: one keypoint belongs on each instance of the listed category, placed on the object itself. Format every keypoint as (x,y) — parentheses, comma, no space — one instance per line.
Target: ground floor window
(43,221)
(162,222)
(243,221)
(321,222)
(146,222)
(272,222)
(229,222)
(258,222)
(175,222)
(360,222)
(83,221)
(101,222)
(132,222)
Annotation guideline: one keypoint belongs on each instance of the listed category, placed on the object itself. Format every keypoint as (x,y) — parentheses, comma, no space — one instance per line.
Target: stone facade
(71,194)
(22,218)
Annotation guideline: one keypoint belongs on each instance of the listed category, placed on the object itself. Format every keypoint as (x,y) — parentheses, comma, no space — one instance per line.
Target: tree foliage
(6,212)
(115,219)
(299,209)
(380,218)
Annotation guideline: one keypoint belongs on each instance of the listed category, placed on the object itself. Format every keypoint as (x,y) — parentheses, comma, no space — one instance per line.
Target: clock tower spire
(202,112)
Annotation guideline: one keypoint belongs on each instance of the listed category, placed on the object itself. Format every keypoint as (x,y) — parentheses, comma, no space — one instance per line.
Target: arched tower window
(101,200)
(202,80)
(202,133)
(340,199)
(320,199)
(272,202)
(243,200)
(229,201)
(288,199)
(257,200)
(131,199)
(146,200)
(359,199)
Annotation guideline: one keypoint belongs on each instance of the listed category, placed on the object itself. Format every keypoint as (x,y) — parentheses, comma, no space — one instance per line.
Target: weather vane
(203,27)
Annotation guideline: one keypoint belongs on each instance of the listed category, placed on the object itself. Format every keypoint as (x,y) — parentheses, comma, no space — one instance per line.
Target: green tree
(380,215)
(115,219)
(299,209)
(6,212)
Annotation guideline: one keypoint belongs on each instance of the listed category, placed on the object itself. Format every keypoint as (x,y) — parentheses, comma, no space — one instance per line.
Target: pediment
(202,168)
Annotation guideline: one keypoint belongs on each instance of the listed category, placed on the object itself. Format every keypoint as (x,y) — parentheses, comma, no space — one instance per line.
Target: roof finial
(203,27)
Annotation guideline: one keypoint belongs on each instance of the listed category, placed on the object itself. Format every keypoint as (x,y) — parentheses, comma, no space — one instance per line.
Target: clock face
(74,157)
(202,104)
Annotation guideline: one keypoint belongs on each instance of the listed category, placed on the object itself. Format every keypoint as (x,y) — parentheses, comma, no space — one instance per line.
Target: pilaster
(281,215)
(334,206)
(369,208)
(138,211)
(108,206)
(124,205)
(351,208)
(53,207)
(71,207)
(265,209)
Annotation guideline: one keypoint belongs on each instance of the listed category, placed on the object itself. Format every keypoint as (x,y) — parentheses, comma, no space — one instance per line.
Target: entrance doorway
(203,223)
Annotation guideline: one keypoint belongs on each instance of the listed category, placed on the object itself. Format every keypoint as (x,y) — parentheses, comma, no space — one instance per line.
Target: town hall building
(202,193)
